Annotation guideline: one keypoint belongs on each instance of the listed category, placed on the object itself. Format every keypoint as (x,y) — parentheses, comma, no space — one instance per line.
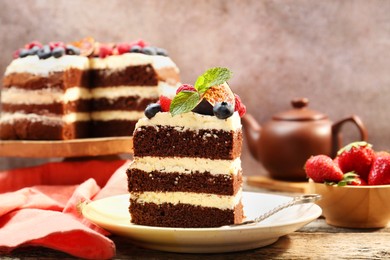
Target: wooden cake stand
(88,147)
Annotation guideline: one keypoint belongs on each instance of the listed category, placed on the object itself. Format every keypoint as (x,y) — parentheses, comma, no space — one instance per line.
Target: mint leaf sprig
(185,101)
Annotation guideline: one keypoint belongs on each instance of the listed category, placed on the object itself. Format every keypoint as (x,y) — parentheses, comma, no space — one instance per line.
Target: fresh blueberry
(34,50)
(72,50)
(149,50)
(23,53)
(58,52)
(44,52)
(152,109)
(161,51)
(135,48)
(223,110)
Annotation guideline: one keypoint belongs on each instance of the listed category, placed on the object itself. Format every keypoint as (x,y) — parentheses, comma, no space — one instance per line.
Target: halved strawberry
(357,157)
(165,103)
(321,168)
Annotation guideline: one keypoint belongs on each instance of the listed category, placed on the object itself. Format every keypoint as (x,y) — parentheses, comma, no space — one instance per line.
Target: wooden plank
(67,148)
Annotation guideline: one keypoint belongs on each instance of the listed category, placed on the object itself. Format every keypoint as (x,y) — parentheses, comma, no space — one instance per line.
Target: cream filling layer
(187,165)
(125,91)
(115,62)
(68,118)
(196,199)
(192,121)
(162,88)
(19,96)
(32,64)
(116,115)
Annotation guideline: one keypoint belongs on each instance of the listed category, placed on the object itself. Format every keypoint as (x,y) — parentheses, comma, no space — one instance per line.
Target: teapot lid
(300,112)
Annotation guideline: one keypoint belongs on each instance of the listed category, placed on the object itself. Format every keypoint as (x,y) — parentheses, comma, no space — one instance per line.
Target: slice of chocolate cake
(187,169)
(45,94)
(125,78)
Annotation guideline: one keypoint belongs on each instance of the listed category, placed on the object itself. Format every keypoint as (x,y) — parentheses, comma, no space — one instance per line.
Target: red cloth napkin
(48,214)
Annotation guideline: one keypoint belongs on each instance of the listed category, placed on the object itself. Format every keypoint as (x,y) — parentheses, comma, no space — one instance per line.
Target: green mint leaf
(212,77)
(184,102)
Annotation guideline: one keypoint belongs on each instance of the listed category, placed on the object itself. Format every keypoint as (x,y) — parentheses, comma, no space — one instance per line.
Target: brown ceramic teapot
(284,144)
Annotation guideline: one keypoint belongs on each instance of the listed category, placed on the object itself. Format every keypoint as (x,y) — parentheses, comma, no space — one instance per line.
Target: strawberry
(357,182)
(321,168)
(185,87)
(380,171)
(165,103)
(239,106)
(351,178)
(357,157)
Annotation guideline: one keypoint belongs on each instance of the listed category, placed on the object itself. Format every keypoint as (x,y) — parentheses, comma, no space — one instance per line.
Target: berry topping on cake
(239,106)
(105,50)
(136,49)
(149,50)
(223,110)
(55,49)
(58,52)
(72,50)
(44,52)
(54,45)
(165,103)
(209,90)
(152,109)
(123,48)
(32,44)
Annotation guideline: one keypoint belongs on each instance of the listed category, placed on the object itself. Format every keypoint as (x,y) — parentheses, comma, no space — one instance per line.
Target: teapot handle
(336,128)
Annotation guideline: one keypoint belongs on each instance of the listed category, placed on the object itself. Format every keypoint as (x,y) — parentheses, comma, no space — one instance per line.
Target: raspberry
(105,51)
(165,103)
(140,43)
(16,53)
(185,87)
(123,47)
(32,44)
(239,106)
(54,45)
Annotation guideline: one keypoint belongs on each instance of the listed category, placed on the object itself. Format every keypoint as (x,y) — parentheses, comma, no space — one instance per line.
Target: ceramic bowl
(354,206)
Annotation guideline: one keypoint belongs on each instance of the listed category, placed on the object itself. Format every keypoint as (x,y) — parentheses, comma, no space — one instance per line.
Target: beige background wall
(336,53)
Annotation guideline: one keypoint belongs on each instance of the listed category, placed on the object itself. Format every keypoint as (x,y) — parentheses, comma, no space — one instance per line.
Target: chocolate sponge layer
(221,184)
(166,141)
(183,215)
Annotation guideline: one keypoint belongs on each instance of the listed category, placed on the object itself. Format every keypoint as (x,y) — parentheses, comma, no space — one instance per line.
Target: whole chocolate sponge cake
(187,169)
(84,89)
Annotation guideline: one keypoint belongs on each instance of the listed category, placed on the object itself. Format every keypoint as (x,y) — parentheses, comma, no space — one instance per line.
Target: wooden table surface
(317,240)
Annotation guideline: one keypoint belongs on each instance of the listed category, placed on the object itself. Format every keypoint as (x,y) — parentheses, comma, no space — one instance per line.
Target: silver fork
(307,198)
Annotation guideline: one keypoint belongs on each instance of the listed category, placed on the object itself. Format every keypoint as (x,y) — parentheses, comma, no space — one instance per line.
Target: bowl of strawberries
(355,186)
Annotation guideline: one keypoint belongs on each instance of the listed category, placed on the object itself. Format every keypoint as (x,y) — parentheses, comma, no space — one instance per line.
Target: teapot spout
(252,131)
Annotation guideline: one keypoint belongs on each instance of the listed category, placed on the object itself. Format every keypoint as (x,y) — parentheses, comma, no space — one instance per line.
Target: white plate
(112,214)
